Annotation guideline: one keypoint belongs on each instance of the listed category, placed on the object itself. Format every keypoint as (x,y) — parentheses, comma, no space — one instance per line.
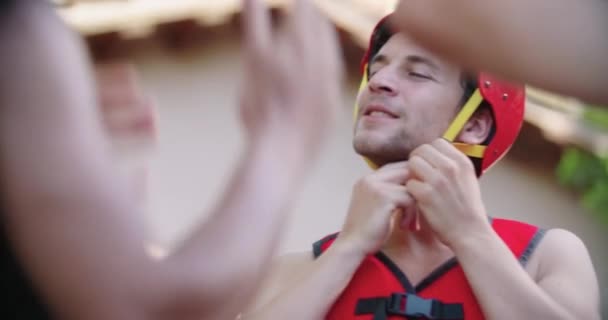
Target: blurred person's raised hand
(130,120)
(292,78)
(127,111)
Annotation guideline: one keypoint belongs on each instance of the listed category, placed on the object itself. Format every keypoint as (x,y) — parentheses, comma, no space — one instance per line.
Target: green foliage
(588,173)
(580,170)
(596,200)
(597,116)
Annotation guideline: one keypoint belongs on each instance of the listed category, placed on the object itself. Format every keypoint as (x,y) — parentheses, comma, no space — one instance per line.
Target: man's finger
(423,170)
(388,166)
(420,191)
(449,150)
(397,194)
(404,201)
(396,172)
(396,175)
(435,158)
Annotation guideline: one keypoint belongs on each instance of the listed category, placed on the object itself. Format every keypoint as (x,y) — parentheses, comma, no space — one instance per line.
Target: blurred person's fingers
(257,29)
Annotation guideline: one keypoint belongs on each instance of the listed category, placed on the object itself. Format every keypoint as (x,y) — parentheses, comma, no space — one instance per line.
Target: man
(558,45)
(71,243)
(417,241)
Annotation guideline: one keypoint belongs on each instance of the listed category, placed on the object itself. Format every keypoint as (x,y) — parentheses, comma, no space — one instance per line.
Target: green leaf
(596,200)
(580,169)
(596,116)
(587,173)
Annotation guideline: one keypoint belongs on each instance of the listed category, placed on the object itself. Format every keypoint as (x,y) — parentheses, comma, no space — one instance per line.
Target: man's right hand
(376,198)
(292,79)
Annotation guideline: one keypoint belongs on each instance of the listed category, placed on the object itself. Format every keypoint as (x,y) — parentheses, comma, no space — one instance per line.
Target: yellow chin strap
(471,150)
(476,151)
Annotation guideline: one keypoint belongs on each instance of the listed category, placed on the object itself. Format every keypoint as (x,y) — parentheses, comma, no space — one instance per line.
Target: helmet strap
(461,119)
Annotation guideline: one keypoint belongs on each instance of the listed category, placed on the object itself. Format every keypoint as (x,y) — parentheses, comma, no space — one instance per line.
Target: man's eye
(372,72)
(419,75)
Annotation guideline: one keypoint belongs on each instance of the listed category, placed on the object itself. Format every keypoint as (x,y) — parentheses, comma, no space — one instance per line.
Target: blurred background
(187,55)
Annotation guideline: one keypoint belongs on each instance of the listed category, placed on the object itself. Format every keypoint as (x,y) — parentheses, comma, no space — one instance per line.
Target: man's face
(411,98)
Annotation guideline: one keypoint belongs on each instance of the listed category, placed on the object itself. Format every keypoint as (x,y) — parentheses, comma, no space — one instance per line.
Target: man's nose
(383,83)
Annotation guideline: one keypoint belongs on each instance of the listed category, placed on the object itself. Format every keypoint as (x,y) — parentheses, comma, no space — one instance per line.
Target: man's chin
(370,141)
(380,158)
(378,148)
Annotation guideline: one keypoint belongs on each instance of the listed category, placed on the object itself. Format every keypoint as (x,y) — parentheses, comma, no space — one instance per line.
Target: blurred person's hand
(292,78)
(127,112)
(129,119)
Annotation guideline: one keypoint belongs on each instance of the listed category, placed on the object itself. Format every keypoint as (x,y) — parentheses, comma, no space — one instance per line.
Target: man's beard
(395,149)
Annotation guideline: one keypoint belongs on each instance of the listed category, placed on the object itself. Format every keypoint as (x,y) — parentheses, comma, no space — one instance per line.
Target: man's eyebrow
(379,58)
(414,59)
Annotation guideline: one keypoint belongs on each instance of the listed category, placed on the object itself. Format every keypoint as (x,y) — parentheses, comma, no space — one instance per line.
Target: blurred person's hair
(7,7)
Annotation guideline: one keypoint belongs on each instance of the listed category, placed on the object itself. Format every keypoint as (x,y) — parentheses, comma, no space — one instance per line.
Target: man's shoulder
(547,248)
(558,242)
(557,245)
(552,238)
(564,262)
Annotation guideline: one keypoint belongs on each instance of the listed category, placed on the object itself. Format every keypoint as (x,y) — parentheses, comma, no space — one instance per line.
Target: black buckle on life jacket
(411,306)
(414,306)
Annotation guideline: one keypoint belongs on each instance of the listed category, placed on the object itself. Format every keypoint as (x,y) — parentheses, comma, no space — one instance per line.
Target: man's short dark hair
(384,32)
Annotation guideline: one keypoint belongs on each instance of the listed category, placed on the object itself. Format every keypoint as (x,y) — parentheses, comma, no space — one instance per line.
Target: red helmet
(506,101)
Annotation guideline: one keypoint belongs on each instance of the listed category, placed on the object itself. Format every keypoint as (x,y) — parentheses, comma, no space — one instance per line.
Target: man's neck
(421,243)
(416,253)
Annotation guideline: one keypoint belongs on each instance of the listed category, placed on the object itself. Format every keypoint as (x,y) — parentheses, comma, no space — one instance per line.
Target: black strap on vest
(409,305)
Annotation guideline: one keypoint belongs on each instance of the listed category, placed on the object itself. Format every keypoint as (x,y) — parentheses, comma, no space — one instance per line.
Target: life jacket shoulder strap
(321,245)
(520,237)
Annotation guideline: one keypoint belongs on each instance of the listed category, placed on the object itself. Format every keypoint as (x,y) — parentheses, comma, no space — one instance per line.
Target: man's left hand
(447,192)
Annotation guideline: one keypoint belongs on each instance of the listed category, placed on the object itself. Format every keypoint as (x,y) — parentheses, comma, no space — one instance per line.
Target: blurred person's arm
(558,45)
(72,222)
(297,277)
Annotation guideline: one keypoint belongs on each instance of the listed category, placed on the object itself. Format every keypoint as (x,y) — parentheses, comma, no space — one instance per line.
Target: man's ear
(478,128)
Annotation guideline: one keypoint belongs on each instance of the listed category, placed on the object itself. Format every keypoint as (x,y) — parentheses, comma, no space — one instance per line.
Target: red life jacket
(379,290)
